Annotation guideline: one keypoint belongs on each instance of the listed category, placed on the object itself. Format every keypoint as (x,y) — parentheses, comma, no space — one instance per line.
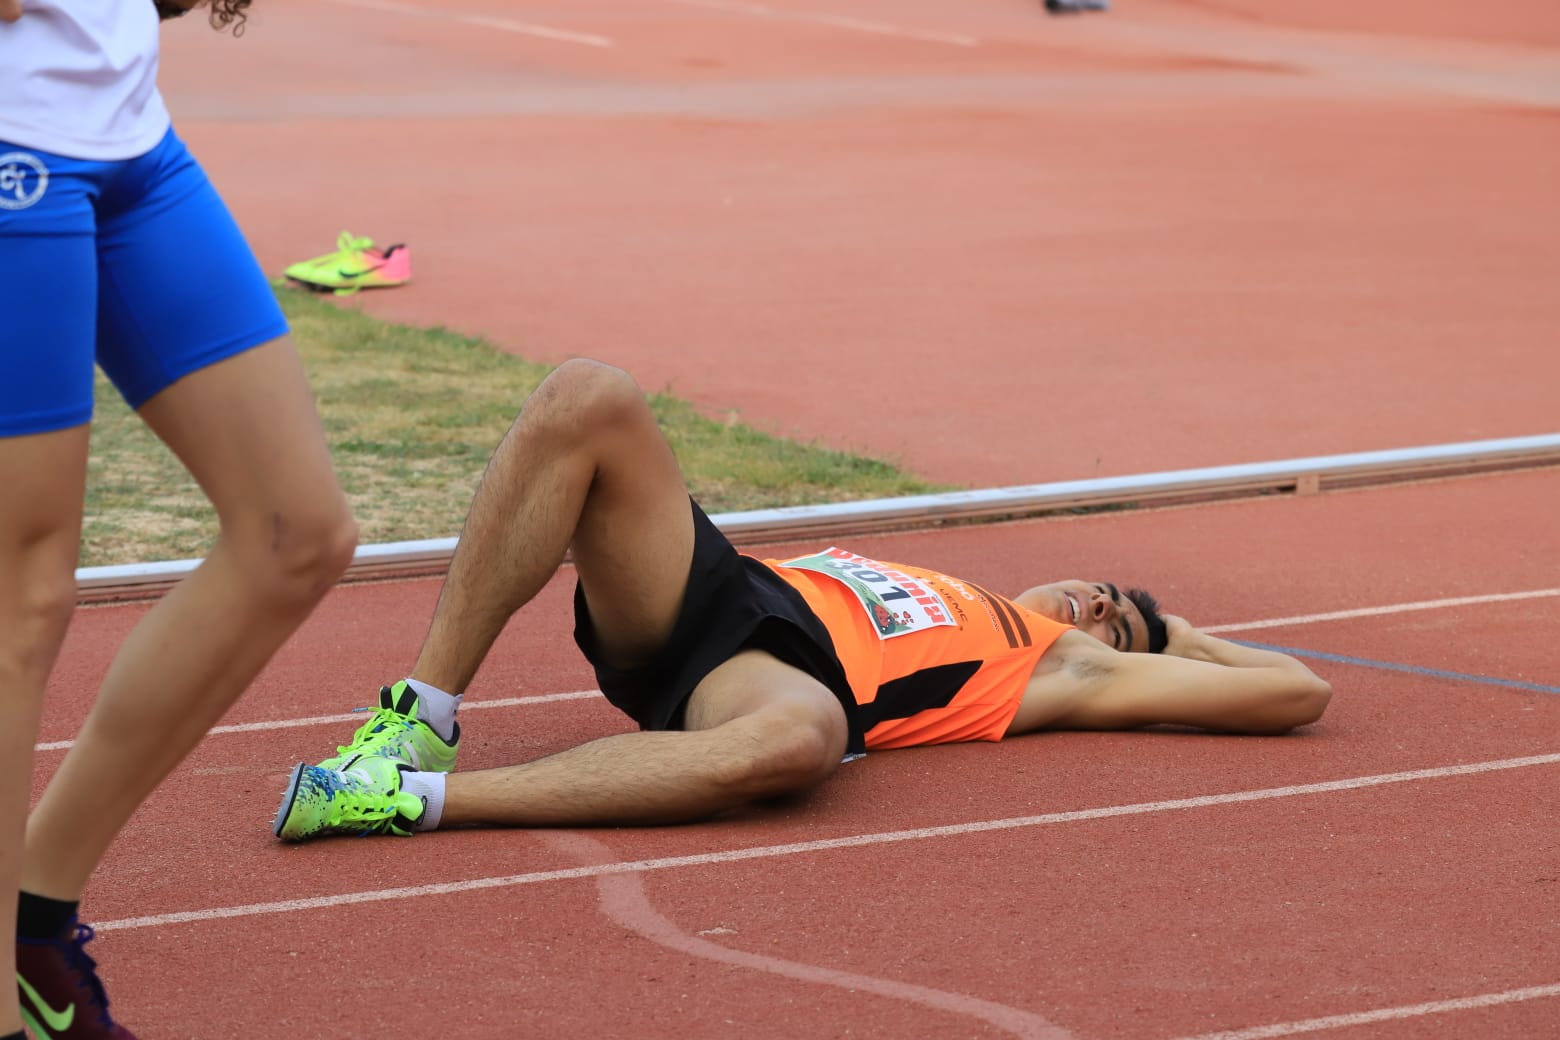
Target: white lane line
(884,29)
(836,21)
(544,32)
(322,720)
(1313,1025)
(1242,626)
(1397,608)
(623,901)
(822,845)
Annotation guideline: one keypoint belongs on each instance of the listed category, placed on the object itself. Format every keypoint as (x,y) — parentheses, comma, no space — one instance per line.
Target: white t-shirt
(79,78)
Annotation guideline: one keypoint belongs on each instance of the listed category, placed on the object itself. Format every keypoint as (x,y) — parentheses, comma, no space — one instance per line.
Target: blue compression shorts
(135,264)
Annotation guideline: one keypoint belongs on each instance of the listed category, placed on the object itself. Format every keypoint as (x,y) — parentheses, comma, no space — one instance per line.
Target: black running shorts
(732,603)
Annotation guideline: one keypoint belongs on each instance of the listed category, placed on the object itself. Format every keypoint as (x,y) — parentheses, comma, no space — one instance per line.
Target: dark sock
(14,1036)
(39,917)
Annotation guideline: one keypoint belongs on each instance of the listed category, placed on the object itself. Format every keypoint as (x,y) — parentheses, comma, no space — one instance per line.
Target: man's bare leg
(247,430)
(757,728)
(583,466)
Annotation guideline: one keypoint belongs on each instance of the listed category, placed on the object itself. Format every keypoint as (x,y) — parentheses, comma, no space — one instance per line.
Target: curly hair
(223,13)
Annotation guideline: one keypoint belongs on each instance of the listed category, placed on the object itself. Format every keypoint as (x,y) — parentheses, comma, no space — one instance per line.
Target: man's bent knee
(582,398)
(784,749)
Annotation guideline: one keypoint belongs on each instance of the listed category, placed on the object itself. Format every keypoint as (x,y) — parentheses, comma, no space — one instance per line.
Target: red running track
(1003,249)
(1151,240)
(1164,921)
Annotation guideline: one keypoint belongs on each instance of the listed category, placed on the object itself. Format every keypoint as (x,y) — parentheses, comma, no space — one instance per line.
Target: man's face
(1096,608)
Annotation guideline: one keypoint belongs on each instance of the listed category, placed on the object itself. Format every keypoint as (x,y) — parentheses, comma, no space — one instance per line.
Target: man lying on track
(749,679)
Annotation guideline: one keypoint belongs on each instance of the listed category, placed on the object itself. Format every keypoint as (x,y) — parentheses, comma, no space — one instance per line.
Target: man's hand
(1303,692)
(10,10)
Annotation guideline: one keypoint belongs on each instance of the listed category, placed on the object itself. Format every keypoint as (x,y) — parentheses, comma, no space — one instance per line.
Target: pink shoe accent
(395,264)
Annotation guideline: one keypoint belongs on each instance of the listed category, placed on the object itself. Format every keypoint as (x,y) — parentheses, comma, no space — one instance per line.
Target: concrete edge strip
(1298,476)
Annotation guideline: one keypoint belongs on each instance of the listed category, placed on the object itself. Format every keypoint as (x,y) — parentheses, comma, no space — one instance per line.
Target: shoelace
(353,249)
(346,243)
(353,798)
(82,964)
(381,728)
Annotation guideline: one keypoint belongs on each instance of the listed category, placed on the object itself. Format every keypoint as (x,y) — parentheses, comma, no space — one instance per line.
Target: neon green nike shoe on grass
(366,799)
(356,264)
(396,731)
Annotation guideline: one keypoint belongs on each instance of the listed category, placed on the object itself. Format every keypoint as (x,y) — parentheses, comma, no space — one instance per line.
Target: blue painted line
(1434,673)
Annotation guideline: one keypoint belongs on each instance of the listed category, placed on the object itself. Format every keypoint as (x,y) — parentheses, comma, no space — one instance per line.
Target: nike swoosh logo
(344,273)
(59,1021)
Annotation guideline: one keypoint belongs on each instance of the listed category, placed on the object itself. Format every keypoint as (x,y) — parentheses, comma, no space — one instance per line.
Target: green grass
(412,416)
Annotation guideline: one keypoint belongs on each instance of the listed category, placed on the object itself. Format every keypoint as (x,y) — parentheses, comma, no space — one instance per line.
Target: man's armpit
(1090,667)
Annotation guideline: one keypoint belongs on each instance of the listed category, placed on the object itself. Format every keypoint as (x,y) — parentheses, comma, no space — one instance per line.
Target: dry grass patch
(412,416)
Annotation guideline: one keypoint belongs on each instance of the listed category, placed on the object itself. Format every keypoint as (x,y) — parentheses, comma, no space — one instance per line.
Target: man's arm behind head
(1199,680)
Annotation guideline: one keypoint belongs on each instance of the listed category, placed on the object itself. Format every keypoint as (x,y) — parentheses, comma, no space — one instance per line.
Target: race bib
(896,603)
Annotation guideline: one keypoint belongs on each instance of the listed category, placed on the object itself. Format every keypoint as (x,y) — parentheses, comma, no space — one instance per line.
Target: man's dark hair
(1148,606)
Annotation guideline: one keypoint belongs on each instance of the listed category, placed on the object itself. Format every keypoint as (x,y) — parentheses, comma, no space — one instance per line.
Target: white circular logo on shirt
(23,180)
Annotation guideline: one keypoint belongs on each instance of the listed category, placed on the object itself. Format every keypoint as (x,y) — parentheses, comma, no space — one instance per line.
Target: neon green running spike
(356,264)
(396,731)
(366,799)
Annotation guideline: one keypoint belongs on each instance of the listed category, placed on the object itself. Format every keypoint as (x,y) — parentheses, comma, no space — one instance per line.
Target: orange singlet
(930,659)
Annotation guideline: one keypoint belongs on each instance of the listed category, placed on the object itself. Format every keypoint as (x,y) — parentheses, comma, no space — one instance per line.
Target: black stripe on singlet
(1009,617)
(927,688)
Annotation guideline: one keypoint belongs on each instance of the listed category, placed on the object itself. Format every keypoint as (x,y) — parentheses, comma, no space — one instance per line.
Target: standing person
(115,248)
